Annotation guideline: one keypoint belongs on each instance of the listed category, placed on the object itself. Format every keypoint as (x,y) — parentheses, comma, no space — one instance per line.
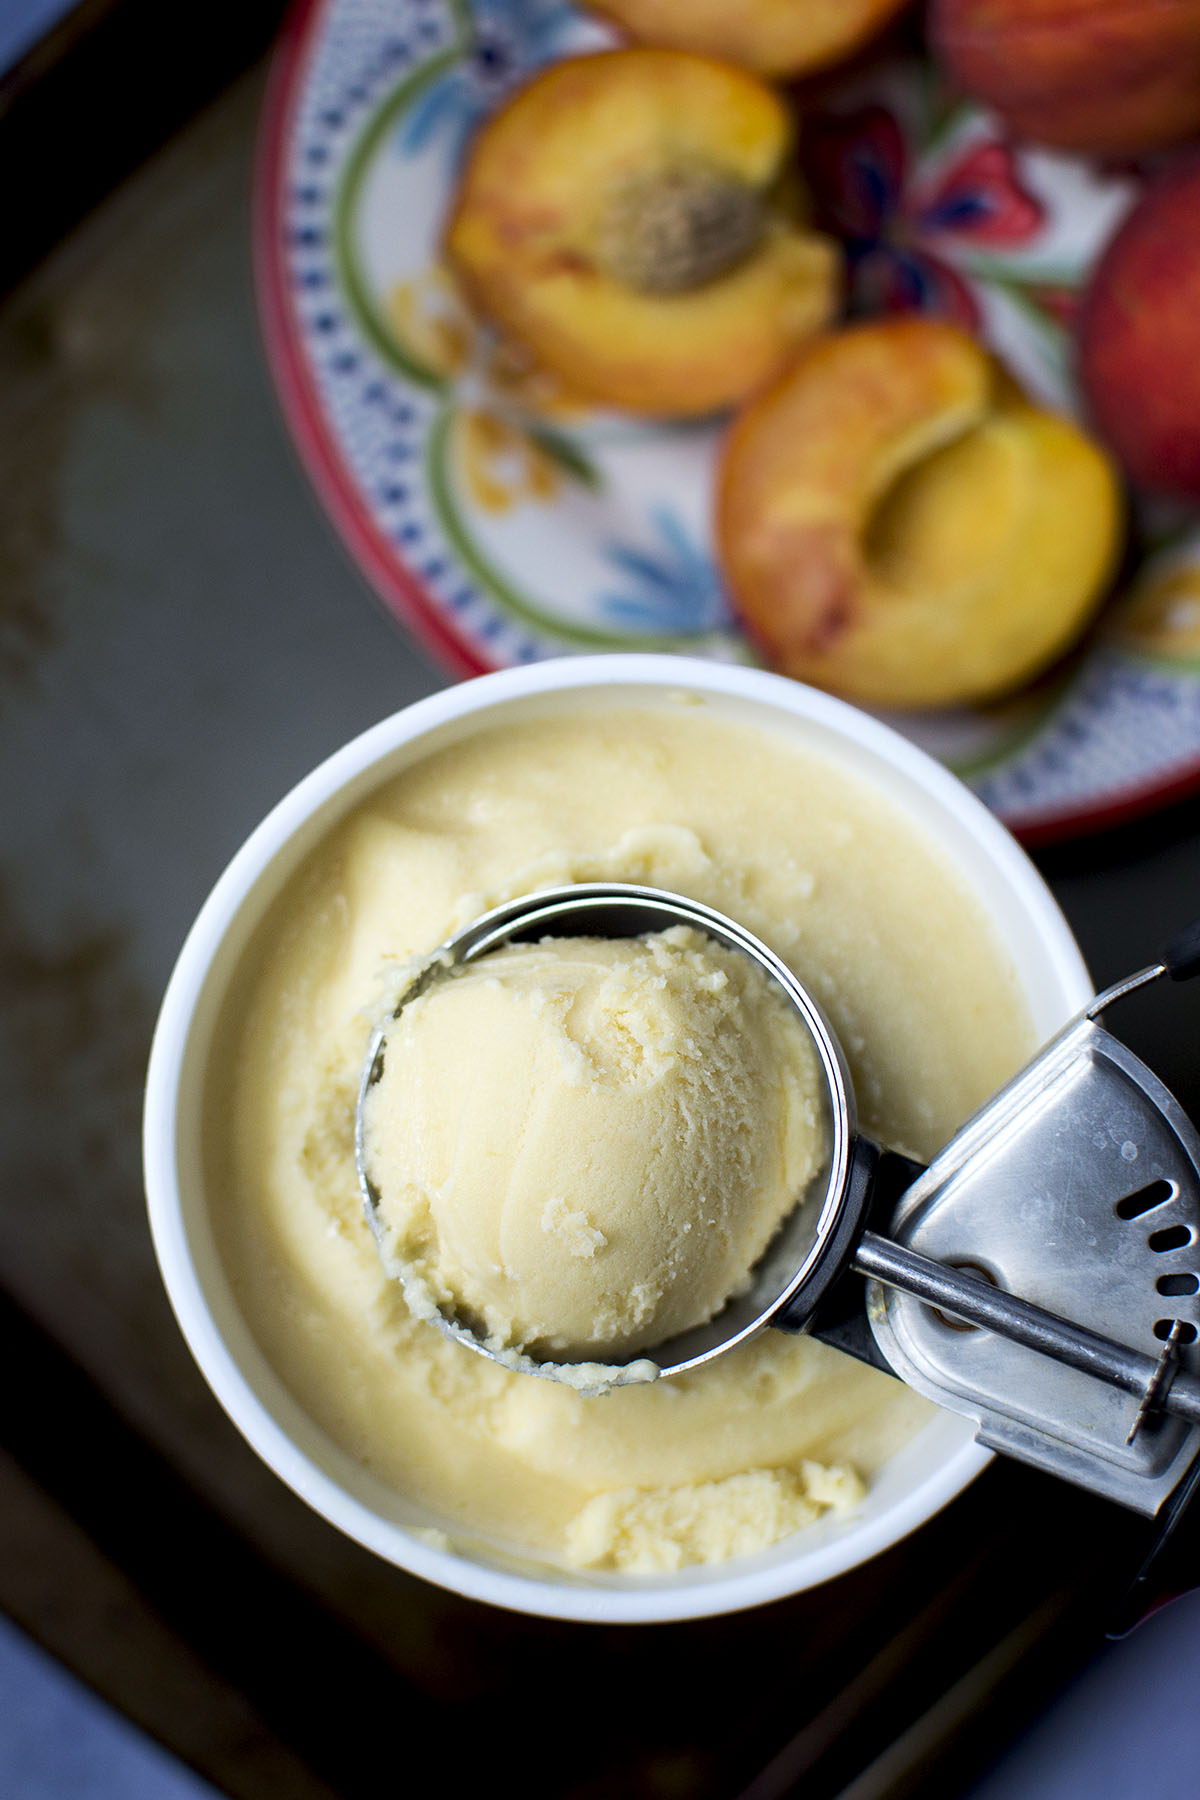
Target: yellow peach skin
(773,37)
(899,524)
(621,218)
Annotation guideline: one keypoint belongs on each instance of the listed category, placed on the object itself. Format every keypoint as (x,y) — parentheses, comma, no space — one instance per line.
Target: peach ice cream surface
(582,1147)
(768,828)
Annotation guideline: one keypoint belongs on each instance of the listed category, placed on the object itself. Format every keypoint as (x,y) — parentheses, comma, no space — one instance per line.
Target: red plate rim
(400,592)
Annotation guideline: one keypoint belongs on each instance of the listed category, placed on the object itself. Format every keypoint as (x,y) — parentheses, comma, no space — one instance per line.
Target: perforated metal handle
(981,1303)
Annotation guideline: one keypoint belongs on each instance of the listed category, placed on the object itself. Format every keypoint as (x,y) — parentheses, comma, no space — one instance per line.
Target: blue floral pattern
(505,41)
(674,588)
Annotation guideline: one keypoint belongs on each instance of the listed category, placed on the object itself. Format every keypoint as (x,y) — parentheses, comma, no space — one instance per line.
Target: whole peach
(1108,76)
(1139,336)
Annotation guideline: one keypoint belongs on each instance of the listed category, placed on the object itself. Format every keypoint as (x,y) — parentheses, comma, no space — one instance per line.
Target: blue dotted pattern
(379,421)
(1122,722)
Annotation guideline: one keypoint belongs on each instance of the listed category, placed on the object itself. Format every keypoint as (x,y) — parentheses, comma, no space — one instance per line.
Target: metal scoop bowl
(798,1257)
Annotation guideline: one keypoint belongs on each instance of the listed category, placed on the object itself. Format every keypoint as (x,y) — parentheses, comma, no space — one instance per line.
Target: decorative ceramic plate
(501,523)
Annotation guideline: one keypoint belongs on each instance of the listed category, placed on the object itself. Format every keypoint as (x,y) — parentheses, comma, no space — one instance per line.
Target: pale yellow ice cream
(756,823)
(581,1147)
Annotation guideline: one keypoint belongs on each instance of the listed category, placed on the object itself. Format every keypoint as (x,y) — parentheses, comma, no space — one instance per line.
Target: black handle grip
(1171,1565)
(840,1319)
(1181,956)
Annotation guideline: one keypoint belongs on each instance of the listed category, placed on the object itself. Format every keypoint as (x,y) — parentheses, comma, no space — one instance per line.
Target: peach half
(898,523)
(773,37)
(626,217)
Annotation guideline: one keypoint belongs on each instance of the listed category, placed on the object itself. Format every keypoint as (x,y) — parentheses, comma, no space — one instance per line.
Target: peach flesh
(598,140)
(773,37)
(898,523)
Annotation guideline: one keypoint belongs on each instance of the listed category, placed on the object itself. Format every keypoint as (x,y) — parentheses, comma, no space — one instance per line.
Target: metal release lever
(965,1296)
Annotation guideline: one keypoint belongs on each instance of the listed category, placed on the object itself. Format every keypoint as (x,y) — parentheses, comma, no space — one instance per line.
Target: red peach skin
(1108,76)
(1139,336)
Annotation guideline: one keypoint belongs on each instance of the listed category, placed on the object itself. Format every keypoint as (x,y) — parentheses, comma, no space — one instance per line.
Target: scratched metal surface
(180,639)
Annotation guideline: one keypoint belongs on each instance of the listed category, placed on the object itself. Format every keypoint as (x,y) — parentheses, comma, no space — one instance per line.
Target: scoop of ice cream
(582,1146)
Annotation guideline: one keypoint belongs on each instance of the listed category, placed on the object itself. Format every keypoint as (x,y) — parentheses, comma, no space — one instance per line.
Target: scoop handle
(1172,1564)
(1180,956)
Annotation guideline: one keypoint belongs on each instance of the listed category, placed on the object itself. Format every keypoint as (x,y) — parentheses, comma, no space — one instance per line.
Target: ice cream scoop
(671,1110)
(824,1239)
(582,1146)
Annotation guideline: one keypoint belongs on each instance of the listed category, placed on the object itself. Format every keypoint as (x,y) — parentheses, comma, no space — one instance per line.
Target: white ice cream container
(934,1467)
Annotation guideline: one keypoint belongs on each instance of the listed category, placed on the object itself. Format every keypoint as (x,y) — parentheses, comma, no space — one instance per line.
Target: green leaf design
(1016,733)
(519,606)
(565,454)
(378,331)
